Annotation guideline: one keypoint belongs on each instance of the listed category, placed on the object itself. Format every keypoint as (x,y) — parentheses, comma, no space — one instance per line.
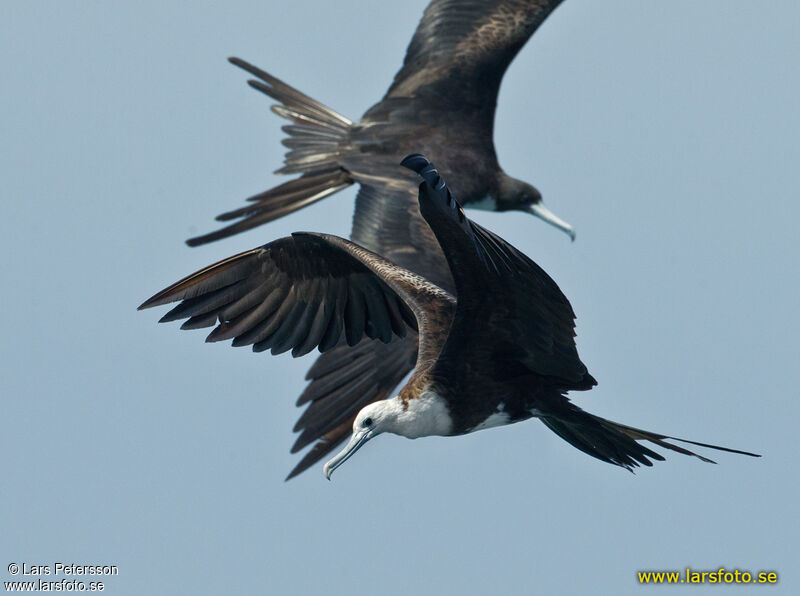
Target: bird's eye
(367,422)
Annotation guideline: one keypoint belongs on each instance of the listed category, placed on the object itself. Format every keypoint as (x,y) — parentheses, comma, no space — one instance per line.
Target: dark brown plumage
(502,353)
(442,103)
(289,294)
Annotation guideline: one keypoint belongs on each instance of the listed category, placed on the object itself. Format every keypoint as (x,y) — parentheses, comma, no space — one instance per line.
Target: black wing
(314,290)
(317,138)
(345,379)
(462,48)
(501,292)
(520,316)
(296,293)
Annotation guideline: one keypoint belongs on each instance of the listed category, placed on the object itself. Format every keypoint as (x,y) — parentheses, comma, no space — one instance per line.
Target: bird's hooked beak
(358,438)
(539,210)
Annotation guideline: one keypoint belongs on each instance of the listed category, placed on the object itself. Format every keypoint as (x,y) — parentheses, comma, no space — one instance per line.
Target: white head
(423,416)
(372,420)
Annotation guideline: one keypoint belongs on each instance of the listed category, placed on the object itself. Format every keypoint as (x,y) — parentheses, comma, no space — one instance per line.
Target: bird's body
(442,103)
(500,353)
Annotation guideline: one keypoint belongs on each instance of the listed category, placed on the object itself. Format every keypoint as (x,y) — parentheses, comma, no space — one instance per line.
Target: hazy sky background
(666,132)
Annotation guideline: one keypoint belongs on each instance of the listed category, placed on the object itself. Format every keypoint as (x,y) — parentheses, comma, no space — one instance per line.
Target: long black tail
(616,443)
(315,141)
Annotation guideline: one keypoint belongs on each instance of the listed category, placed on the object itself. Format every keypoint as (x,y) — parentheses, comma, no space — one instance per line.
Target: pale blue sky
(666,132)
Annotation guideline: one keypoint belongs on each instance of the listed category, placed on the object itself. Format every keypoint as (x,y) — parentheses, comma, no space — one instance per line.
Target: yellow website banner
(718,576)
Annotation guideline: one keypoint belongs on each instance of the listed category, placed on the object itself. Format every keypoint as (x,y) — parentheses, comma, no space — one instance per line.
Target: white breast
(425,416)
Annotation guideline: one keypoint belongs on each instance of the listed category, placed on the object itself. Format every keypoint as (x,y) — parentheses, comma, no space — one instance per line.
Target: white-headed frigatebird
(442,102)
(501,352)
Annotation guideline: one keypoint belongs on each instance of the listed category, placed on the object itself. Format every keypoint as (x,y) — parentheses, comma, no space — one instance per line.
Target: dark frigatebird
(442,102)
(502,352)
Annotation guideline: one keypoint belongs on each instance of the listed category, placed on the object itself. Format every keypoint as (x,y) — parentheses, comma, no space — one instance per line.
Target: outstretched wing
(317,137)
(299,293)
(314,290)
(344,379)
(502,294)
(462,48)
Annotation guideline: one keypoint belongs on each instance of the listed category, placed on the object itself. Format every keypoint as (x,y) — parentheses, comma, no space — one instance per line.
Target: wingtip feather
(420,164)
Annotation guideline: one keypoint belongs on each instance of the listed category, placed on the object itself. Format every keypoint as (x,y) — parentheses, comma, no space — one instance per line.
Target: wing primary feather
(327,384)
(378,317)
(334,330)
(323,447)
(200,321)
(202,304)
(395,318)
(249,319)
(289,93)
(304,196)
(206,280)
(295,329)
(324,415)
(279,340)
(319,323)
(269,323)
(245,302)
(342,357)
(354,315)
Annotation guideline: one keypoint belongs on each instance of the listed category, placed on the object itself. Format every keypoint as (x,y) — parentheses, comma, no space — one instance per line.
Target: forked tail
(616,443)
(315,141)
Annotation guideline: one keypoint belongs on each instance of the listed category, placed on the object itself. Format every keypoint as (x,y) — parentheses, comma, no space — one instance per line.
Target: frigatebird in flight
(441,102)
(502,352)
